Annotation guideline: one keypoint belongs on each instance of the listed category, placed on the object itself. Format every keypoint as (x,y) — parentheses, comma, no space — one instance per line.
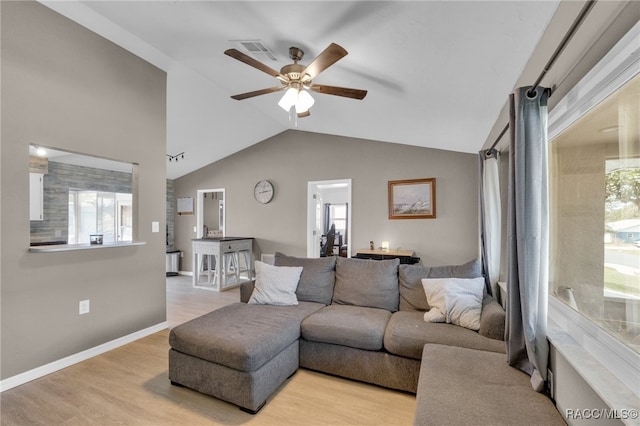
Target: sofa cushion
(412,297)
(353,326)
(317,279)
(369,283)
(454,301)
(275,285)
(241,336)
(460,386)
(492,319)
(407,333)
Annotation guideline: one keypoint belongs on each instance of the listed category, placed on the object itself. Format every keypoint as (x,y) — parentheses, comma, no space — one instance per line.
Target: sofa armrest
(492,319)
(246,288)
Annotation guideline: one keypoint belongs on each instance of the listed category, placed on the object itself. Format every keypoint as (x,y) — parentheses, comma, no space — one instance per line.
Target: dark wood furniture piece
(405,256)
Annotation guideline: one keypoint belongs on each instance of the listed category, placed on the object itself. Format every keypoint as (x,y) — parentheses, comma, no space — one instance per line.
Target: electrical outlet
(195,229)
(155,226)
(84,307)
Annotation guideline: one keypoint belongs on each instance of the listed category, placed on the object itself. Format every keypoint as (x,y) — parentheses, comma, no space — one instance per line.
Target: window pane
(338,216)
(106,213)
(124,210)
(87,217)
(71,233)
(595,215)
(106,217)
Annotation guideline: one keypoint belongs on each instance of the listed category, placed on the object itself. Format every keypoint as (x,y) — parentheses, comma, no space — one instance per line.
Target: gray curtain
(528,235)
(327,217)
(490,220)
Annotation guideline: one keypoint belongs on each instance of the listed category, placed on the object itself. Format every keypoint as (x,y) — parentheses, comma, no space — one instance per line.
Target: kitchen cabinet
(36,196)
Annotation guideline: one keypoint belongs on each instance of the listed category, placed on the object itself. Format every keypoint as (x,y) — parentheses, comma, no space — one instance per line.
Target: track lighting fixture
(175,157)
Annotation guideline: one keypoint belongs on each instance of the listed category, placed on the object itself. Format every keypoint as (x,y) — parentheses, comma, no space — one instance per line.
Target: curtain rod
(567,37)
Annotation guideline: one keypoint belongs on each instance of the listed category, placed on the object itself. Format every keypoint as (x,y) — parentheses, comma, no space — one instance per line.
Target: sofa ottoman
(460,386)
(240,353)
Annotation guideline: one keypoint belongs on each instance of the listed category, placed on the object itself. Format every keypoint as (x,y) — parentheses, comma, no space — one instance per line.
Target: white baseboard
(54,366)
(187,273)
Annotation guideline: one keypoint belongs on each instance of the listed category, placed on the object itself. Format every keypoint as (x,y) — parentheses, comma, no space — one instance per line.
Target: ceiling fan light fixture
(289,99)
(304,102)
(298,98)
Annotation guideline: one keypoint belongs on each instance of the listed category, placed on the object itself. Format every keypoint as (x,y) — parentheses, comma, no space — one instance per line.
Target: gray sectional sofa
(359,319)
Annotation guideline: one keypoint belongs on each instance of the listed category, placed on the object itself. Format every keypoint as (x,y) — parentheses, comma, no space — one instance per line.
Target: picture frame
(184,206)
(412,199)
(96,239)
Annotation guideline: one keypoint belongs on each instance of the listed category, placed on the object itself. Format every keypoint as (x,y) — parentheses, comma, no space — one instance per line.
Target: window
(338,216)
(64,171)
(593,132)
(94,212)
(595,215)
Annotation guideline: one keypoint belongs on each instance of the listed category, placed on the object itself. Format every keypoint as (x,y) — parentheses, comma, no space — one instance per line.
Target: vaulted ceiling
(438,73)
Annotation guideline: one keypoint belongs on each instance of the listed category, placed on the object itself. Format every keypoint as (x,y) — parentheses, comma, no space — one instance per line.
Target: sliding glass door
(94,212)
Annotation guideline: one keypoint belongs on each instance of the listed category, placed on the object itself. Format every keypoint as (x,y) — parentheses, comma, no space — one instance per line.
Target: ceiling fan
(297,79)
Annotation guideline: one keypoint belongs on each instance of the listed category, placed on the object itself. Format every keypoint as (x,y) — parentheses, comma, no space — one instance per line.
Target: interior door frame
(313,188)
(200,211)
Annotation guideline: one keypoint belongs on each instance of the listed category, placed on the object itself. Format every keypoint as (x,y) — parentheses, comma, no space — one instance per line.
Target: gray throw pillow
(369,283)
(317,279)
(412,297)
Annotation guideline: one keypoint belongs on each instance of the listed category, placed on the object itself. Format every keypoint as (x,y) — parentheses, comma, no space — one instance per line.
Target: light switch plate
(84,307)
(155,226)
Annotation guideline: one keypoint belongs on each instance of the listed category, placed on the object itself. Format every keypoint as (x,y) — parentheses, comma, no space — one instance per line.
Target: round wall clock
(263,191)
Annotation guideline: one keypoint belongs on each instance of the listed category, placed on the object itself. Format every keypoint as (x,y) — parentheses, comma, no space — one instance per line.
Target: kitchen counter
(50,248)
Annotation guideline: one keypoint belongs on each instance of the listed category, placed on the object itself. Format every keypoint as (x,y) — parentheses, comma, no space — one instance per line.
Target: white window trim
(619,66)
(611,368)
(600,359)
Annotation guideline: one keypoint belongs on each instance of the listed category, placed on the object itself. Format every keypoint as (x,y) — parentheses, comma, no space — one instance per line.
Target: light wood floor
(129,386)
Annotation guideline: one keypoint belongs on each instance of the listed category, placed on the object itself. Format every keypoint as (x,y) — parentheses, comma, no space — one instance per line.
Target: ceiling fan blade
(236,54)
(324,60)
(304,114)
(339,91)
(258,93)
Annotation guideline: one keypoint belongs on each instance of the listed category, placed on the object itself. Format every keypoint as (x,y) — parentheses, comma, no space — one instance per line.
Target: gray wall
(291,159)
(170,213)
(65,87)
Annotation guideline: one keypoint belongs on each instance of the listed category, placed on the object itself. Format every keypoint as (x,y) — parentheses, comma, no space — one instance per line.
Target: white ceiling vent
(255,48)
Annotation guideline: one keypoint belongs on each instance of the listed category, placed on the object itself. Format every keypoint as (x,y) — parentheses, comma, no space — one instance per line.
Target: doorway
(329,203)
(210,211)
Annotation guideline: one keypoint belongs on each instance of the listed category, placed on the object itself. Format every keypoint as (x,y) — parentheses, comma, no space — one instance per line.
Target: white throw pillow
(275,285)
(454,300)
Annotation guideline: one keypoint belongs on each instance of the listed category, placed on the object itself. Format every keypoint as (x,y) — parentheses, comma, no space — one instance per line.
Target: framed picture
(184,205)
(412,199)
